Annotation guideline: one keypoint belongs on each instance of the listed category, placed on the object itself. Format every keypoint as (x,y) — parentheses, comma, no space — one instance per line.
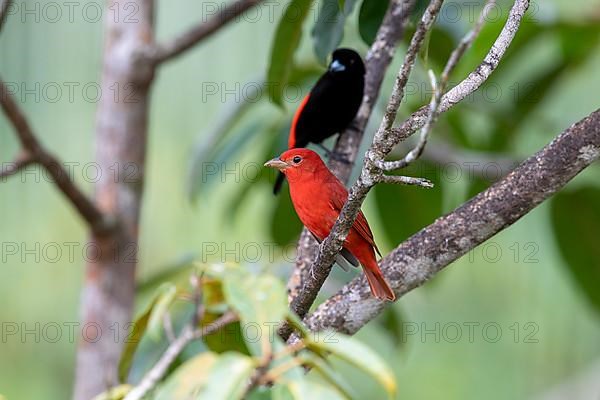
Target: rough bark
(427,252)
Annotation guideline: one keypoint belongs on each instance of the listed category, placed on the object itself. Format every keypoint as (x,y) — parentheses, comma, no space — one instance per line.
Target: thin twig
(23,160)
(405,180)
(438,91)
(159,53)
(188,333)
(98,222)
(468,85)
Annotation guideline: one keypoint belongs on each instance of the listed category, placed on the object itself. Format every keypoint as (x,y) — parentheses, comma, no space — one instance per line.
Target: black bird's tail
(278,183)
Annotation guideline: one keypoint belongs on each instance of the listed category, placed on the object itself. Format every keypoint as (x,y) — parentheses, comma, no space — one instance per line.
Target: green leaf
(188,378)
(576,223)
(329,27)
(287,40)
(139,328)
(305,389)
(370,18)
(328,373)
(261,303)
(116,393)
(297,324)
(228,377)
(429,201)
(161,307)
(356,353)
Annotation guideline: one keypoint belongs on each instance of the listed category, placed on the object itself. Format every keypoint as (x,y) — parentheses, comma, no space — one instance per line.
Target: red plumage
(318,197)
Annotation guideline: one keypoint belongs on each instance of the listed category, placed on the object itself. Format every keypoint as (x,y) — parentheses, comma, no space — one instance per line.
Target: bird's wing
(360,223)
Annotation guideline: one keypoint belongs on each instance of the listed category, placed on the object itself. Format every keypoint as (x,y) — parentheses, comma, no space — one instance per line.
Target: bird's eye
(297,159)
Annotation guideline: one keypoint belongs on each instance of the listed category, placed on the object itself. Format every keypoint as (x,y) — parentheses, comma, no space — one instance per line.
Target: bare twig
(159,53)
(467,86)
(421,256)
(438,91)
(33,152)
(188,333)
(377,61)
(21,161)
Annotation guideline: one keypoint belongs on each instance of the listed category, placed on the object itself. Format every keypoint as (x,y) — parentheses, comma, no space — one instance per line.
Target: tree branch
(427,252)
(383,144)
(158,53)
(377,61)
(188,334)
(33,152)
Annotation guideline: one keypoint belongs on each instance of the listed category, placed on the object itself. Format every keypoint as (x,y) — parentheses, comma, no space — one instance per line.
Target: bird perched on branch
(331,104)
(318,197)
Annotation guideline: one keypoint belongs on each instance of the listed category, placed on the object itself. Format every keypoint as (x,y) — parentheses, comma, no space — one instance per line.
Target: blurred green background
(524,282)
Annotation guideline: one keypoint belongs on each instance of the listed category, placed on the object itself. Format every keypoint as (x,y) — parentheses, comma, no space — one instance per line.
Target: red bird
(331,104)
(318,197)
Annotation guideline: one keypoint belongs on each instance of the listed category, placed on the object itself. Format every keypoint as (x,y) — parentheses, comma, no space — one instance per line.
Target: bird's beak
(336,66)
(276,163)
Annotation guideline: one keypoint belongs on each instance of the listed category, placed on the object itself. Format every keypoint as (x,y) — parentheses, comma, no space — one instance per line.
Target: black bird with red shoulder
(331,104)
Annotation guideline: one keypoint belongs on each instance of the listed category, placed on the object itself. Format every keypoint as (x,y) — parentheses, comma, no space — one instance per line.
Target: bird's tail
(379,286)
(278,182)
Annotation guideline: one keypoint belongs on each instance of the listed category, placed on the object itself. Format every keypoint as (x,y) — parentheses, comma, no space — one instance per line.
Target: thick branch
(370,174)
(159,53)
(377,61)
(33,152)
(416,260)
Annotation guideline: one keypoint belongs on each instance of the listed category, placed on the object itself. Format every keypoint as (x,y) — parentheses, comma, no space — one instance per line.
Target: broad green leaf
(329,27)
(356,353)
(139,328)
(370,17)
(576,222)
(228,338)
(227,378)
(116,393)
(164,301)
(387,197)
(320,366)
(305,389)
(188,378)
(287,40)
(261,303)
